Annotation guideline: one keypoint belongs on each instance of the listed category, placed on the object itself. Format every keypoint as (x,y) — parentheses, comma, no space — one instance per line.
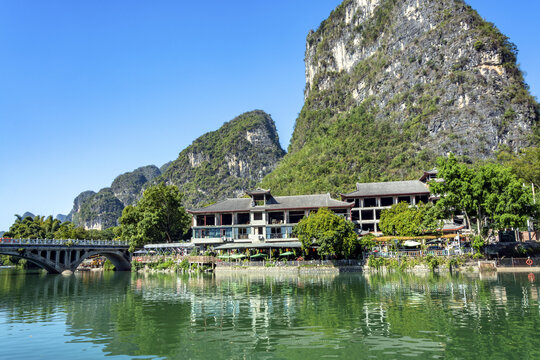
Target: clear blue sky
(92,89)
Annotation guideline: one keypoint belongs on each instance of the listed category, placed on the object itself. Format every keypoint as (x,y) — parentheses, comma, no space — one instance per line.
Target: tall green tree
(525,164)
(332,233)
(490,194)
(158,217)
(40,227)
(404,220)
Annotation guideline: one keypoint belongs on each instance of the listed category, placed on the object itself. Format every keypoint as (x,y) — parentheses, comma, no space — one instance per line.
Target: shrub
(478,45)
(432,262)
(108,265)
(184,265)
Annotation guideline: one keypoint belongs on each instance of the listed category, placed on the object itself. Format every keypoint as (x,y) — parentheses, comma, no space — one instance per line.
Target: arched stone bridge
(56,256)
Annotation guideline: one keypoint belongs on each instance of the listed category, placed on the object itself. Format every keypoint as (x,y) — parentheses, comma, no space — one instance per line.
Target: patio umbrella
(259,255)
(223,256)
(237,256)
(434,241)
(288,253)
(410,243)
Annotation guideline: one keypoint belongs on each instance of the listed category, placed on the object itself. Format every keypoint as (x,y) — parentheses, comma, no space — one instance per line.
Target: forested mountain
(228,161)
(101,210)
(218,164)
(391,84)
(128,186)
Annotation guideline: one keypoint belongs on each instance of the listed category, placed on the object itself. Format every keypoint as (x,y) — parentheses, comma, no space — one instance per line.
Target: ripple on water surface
(357,316)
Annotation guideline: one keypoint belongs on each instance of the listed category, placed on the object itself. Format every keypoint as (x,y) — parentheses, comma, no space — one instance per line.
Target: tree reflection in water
(282,316)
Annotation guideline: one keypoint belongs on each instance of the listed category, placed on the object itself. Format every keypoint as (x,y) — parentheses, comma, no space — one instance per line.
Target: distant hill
(61,217)
(28,214)
(218,164)
(226,162)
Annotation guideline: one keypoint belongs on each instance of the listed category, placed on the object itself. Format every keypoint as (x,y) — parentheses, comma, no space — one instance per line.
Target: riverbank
(458,264)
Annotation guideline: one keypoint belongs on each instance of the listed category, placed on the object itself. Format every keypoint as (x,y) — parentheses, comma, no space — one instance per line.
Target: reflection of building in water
(499,294)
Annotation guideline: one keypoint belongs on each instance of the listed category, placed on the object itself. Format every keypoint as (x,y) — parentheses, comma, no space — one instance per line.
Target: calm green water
(125,316)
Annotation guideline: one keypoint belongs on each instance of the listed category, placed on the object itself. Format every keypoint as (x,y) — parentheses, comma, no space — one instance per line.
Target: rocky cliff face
(101,210)
(97,211)
(411,79)
(128,186)
(226,162)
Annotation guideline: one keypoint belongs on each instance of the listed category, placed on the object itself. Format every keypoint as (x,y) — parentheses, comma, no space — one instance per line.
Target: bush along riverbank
(422,264)
(170,266)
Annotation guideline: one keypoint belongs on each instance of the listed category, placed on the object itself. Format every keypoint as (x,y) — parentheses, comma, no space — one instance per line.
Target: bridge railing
(69,242)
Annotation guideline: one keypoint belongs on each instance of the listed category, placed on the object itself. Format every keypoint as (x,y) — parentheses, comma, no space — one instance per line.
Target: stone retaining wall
(300,270)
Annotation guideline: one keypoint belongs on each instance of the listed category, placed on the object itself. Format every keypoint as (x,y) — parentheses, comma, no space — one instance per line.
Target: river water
(93,315)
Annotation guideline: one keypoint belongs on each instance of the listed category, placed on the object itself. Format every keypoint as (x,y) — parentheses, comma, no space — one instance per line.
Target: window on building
(341,212)
(226,232)
(243,218)
(295,216)
(367,215)
(257,216)
(226,219)
(210,220)
(368,227)
(370,202)
(406,199)
(243,233)
(276,217)
(421,198)
(378,214)
(258,199)
(387,201)
(355,215)
(276,233)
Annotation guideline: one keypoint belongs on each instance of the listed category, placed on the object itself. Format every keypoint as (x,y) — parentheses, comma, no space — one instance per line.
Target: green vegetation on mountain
(391,88)
(128,186)
(99,211)
(228,161)
(354,147)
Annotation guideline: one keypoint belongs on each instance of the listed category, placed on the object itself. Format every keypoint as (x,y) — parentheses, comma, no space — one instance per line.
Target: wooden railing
(419,253)
(190,259)
(70,242)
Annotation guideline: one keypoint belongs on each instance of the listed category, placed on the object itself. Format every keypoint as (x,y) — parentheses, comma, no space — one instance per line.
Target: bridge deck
(68,243)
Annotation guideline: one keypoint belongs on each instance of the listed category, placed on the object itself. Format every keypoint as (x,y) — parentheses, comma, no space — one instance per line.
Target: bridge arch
(56,256)
(119,259)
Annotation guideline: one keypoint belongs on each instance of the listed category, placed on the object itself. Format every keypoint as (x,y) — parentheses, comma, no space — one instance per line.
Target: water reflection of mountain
(281,316)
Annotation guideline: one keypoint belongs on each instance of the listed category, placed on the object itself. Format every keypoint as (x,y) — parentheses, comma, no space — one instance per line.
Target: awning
(169,245)
(410,243)
(289,244)
(288,253)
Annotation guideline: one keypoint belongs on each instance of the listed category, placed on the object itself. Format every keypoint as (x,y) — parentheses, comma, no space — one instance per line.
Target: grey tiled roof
(276,203)
(258,192)
(389,188)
